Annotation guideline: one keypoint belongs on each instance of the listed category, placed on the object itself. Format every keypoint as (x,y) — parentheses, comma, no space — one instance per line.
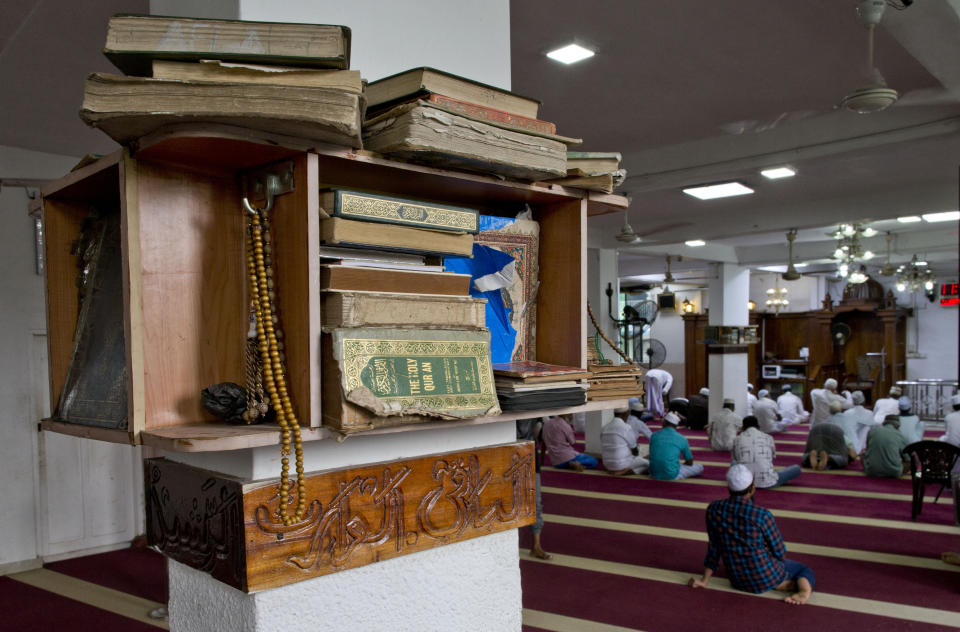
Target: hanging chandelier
(850,252)
(915,276)
(777,298)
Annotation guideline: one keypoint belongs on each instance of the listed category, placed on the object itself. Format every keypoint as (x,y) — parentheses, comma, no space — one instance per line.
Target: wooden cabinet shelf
(184,294)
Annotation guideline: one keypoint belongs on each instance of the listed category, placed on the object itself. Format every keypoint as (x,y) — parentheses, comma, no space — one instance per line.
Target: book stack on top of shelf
(403,339)
(227,72)
(593,170)
(427,115)
(530,385)
(614,381)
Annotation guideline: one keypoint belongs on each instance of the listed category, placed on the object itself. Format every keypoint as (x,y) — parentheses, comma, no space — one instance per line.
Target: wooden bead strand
(262,293)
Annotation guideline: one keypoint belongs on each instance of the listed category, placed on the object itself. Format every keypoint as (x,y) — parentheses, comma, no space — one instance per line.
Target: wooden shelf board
(222,437)
(111,435)
(94,182)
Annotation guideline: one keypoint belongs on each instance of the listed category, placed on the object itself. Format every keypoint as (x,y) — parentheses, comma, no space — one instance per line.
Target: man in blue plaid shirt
(747,539)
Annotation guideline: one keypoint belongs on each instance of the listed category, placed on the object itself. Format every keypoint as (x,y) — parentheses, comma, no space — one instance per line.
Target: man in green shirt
(881,457)
(667,446)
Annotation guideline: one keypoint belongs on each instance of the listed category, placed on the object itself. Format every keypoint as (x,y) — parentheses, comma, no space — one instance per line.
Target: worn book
(604,182)
(491,115)
(373,207)
(593,162)
(368,254)
(126,108)
(344,308)
(225,72)
(348,232)
(526,369)
(134,41)
(384,93)
(418,132)
(379,376)
(334,277)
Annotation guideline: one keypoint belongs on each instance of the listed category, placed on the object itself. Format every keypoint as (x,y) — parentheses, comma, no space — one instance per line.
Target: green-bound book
(373,207)
(385,376)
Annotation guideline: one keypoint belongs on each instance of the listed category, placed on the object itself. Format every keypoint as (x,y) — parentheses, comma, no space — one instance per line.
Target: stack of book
(614,381)
(431,116)
(529,385)
(226,72)
(593,170)
(403,339)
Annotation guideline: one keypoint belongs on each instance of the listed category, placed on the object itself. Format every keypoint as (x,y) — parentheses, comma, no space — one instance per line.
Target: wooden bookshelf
(184,310)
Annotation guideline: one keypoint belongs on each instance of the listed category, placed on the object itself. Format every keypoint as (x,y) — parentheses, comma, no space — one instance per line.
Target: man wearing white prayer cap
(952,423)
(751,400)
(888,405)
(821,398)
(747,539)
(790,406)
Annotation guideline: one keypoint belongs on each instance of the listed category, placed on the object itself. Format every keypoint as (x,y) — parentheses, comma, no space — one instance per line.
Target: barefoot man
(747,539)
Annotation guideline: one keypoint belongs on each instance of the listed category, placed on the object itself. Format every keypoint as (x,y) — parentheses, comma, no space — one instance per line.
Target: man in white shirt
(860,419)
(618,447)
(821,399)
(724,426)
(791,407)
(751,399)
(952,423)
(765,410)
(888,405)
(658,385)
(756,450)
(910,425)
(635,420)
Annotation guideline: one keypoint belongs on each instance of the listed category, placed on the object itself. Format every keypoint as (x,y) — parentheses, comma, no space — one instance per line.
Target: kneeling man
(747,539)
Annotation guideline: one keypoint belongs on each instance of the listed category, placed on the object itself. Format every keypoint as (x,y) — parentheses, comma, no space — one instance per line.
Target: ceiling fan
(627,235)
(791,273)
(873,95)
(889,269)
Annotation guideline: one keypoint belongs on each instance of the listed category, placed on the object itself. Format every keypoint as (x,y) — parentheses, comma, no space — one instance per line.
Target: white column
(455,587)
(602,270)
(729,293)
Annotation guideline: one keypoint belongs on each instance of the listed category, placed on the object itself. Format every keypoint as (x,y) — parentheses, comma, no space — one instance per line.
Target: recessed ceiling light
(695,243)
(778,172)
(712,191)
(800,265)
(948,216)
(909,219)
(570,54)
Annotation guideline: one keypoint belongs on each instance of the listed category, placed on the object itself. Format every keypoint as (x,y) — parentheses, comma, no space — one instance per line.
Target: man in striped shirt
(747,539)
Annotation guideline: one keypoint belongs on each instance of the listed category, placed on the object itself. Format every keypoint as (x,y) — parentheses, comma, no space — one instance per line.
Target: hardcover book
(126,108)
(384,93)
(418,132)
(531,368)
(592,163)
(374,207)
(386,376)
(134,41)
(493,115)
(348,232)
(382,309)
(223,72)
(335,277)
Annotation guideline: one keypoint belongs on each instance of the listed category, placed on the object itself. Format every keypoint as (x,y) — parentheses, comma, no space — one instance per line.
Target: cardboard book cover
(380,309)
(373,207)
(404,373)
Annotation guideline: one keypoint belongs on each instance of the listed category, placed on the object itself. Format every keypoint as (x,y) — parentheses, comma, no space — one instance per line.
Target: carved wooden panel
(354,516)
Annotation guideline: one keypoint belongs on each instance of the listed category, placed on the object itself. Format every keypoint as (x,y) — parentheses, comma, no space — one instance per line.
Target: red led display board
(950,294)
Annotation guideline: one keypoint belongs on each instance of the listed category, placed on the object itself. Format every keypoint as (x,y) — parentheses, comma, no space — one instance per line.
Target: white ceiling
(669,84)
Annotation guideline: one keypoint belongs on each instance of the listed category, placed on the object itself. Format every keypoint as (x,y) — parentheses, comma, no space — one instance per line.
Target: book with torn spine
(348,232)
(335,277)
(224,72)
(594,171)
(126,108)
(373,207)
(491,115)
(375,377)
(134,41)
(420,133)
(345,308)
(417,82)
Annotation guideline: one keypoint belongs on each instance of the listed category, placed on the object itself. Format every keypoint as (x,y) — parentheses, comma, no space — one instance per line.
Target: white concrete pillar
(729,293)
(602,270)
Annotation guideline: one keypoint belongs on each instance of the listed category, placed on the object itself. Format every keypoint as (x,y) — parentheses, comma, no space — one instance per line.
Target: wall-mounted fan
(840,333)
(650,353)
(642,314)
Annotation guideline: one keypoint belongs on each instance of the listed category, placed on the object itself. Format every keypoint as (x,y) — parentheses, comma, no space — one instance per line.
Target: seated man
(790,406)
(765,410)
(910,425)
(859,420)
(637,419)
(821,398)
(558,437)
(952,423)
(827,447)
(882,457)
(618,446)
(666,447)
(697,410)
(723,427)
(751,399)
(756,450)
(747,539)
(889,405)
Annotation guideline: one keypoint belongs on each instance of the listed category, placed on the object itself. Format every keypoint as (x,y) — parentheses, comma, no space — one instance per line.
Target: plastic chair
(930,463)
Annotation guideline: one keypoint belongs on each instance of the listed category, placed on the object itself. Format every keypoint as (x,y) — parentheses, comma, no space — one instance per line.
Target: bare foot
(822,460)
(623,472)
(804,590)
(538,552)
(951,558)
(576,466)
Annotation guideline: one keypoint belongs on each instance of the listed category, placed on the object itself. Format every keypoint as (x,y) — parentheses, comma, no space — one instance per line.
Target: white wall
(466,38)
(22,314)
(932,335)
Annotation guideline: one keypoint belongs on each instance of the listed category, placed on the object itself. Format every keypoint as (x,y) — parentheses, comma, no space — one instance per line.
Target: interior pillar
(602,270)
(729,294)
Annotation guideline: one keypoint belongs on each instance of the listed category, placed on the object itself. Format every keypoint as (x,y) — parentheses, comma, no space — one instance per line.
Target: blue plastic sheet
(487,260)
(492,222)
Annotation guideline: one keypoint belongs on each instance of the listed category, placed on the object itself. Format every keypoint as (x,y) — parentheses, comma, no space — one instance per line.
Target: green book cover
(374,207)
(417,371)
